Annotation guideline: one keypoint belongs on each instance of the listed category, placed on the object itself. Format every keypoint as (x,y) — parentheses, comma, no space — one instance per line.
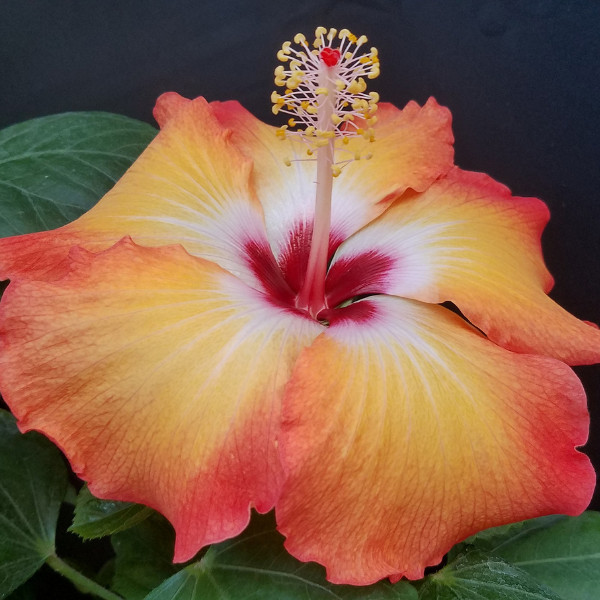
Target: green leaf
(55,168)
(144,557)
(477,576)
(33,481)
(96,518)
(564,554)
(489,539)
(255,566)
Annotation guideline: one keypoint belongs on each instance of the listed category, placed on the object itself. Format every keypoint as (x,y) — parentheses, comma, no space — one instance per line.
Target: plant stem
(312,295)
(82,582)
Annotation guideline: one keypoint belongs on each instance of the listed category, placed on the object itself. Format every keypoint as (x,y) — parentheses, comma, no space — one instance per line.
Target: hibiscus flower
(210,338)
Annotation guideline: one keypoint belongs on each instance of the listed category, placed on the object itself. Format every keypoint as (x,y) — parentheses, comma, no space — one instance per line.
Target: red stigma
(330,56)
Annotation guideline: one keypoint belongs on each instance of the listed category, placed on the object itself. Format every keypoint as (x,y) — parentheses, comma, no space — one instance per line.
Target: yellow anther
(360,131)
(275,97)
(373,108)
(320,142)
(348,117)
(279,81)
(357,156)
(369,135)
(316,44)
(304,104)
(348,55)
(368,156)
(344,104)
(354,88)
(345,141)
(364,60)
(279,71)
(335,169)
(291,122)
(361,105)
(286,47)
(275,108)
(311,110)
(358,86)
(299,38)
(372,121)
(309,152)
(280,133)
(282,57)
(322,91)
(343,33)
(336,119)
(374,96)
(374,73)
(287,162)
(295,65)
(309,130)
(287,92)
(292,83)
(374,52)
(315,52)
(340,85)
(331,34)
(362,40)
(352,38)
(319,31)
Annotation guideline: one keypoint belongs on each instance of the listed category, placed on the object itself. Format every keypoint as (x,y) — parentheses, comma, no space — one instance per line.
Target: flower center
(326,96)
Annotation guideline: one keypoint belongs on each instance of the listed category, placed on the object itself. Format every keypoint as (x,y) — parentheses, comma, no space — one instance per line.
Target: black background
(521,77)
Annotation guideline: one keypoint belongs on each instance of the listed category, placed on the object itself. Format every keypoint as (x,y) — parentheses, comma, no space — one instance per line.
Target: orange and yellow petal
(413,148)
(190,187)
(405,431)
(168,106)
(160,375)
(468,241)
